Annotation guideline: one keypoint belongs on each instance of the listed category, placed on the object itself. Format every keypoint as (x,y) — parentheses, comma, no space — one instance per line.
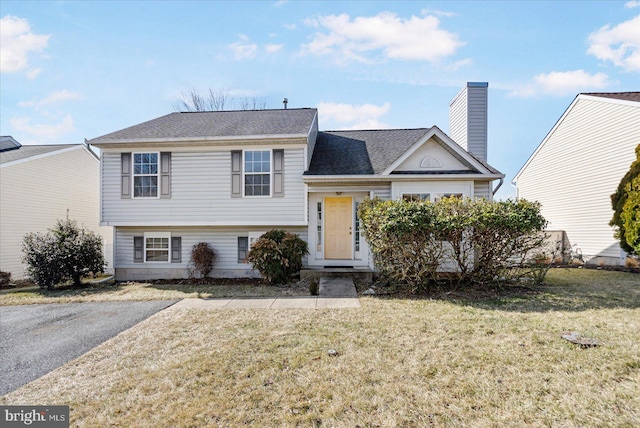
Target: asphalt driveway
(36,339)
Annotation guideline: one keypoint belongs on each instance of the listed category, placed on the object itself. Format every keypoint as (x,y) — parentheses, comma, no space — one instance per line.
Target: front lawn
(147,291)
(450,360)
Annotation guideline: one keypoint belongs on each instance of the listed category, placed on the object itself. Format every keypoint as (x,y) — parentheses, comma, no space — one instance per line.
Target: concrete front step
(353,273)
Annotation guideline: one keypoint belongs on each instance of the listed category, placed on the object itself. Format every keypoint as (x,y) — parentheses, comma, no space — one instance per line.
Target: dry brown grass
(495,361)
(146,291)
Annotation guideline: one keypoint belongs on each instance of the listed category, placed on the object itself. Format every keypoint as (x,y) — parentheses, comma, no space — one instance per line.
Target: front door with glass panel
(338,228)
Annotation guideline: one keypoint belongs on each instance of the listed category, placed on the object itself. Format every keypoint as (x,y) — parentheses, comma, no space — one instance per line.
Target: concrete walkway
(334,293)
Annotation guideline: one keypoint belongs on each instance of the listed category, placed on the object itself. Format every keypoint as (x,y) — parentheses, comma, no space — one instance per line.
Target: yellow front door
(338,223)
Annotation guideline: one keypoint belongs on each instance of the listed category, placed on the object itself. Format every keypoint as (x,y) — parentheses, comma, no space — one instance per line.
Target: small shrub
(203,257)
(277,255)
(632,262)
(314,287)
(66,252)
(5,278)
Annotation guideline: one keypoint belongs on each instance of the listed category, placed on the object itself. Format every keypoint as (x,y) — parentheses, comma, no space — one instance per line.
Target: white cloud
(33,73)
(273,48)
(43,133)
(55,97)
(349,116)
(561,83)
(17,42)
(632,4)
(280,3)
(290,26)
(437,12)
(619,44)
(243,49)
(419,39)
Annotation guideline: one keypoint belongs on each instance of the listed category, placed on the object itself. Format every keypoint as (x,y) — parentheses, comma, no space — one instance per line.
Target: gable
(432,158)
(589,122)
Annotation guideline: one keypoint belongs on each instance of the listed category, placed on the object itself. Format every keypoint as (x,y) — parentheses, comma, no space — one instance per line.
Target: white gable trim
(435,132)
(45,155)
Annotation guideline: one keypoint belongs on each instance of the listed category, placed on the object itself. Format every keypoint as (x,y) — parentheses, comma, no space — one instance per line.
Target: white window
(416,196)
(257,173)
(145,175)
(439,196)
(157,247)
(243,249)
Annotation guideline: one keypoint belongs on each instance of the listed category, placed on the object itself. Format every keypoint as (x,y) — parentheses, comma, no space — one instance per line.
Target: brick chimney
(468,119)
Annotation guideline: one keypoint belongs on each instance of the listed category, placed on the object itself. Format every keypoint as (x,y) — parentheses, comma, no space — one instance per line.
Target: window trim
(244,173)
(134,175)
(161,235)
(418,194)
(245,249)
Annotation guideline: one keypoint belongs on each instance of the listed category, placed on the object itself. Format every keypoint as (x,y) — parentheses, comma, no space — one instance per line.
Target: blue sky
(72,70)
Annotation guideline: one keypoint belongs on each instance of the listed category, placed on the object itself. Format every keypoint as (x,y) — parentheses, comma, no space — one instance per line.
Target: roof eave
(400,177)
(198,140)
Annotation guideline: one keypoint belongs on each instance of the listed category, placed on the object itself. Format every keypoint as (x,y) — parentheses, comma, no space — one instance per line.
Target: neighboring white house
(226,177)
(40,185)
(577,167)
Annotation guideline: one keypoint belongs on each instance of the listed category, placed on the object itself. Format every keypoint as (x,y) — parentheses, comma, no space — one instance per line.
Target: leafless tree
(216,100)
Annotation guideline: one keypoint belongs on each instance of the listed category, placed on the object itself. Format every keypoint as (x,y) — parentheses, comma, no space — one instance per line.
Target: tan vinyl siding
(36,193)
(201,194)
(224,241)
(578,167)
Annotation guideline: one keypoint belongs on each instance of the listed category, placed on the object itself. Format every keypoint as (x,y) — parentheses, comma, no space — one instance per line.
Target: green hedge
(476,241)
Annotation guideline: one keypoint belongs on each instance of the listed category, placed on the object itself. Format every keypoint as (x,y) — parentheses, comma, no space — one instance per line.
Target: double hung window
(257,173)
(145,175)
(157,247)
(416,196)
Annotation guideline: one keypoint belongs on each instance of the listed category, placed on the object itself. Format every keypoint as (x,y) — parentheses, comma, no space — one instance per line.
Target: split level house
(41,184)
(578,166)
(226,177)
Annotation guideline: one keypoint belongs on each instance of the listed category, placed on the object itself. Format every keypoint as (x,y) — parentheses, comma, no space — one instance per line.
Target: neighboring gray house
(226,177)
(40,185)
(577,167)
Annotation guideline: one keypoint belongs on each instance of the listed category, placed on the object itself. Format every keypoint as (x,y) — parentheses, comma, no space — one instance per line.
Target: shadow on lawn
(620,292)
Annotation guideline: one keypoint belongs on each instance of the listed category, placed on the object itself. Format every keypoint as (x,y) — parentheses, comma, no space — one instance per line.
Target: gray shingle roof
(28,151)
(217,124)
(360,152)
(8,143)
(625,96)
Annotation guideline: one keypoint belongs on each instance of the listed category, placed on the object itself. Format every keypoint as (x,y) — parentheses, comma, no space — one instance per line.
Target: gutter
(499,185)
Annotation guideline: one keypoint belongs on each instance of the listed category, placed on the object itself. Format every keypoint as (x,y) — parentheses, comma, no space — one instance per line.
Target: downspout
(498,188)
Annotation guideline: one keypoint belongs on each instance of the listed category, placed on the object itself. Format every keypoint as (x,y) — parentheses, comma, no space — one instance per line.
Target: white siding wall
(577,169)
(201,193)
(36,193)
(224,240)
(458,118)
(434,188)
